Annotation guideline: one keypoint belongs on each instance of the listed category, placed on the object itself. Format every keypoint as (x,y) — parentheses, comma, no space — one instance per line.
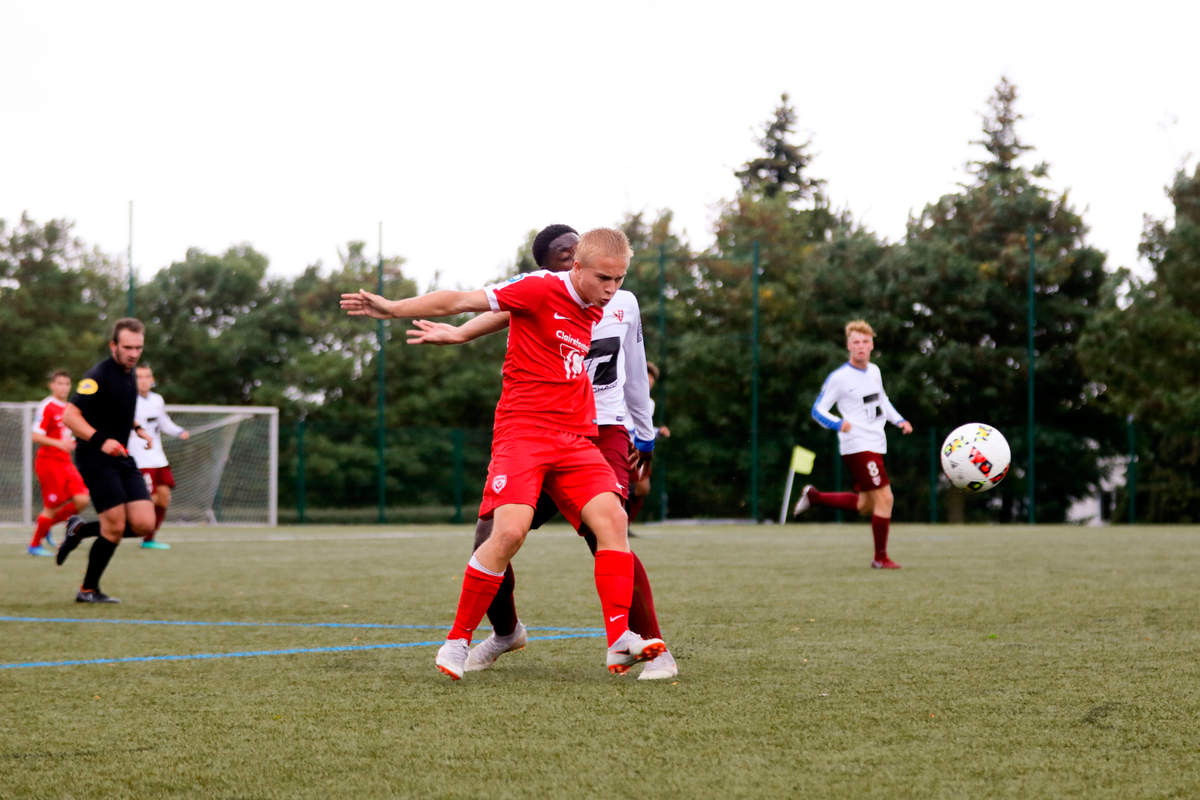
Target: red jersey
(545,382)
(47,420)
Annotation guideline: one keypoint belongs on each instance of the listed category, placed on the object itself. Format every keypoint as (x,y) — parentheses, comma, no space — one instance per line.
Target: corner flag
(802,462)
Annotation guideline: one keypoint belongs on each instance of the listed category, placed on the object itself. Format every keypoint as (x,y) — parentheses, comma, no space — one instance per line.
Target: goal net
(225,473)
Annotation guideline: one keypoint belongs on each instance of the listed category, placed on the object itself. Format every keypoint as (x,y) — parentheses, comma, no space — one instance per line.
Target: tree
(1143,350)
(959,287)
(58,300)
(782,169)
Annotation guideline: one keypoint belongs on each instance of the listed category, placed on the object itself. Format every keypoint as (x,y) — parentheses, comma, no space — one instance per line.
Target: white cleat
(629,649)
(484,654)
(660,667)
(452,657)
(803,503)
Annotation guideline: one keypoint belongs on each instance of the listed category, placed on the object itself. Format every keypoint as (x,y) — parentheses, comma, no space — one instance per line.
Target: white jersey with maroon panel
(616,362)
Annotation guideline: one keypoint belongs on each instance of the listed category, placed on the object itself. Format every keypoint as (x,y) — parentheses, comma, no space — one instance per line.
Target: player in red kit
(63,490)
(545,414)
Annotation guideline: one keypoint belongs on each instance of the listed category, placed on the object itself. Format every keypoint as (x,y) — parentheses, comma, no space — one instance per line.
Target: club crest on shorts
(498,483)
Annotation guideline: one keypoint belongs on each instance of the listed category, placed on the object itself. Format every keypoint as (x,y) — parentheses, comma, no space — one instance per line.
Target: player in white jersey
(616,364)
(151,414)
(856,388)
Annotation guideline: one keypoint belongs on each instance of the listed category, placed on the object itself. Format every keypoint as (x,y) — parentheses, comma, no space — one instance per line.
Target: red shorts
(867,470)
(158,476)
(526,459)
(59,481)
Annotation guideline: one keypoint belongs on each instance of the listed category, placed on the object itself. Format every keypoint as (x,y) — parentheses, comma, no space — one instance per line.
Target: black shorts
(112,481)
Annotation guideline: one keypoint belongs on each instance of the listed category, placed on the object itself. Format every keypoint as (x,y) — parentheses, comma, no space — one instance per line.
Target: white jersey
(151,414)
(859,396)
(616,363)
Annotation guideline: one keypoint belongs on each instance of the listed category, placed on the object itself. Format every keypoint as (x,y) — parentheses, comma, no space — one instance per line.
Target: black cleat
(94,596)
(70,540)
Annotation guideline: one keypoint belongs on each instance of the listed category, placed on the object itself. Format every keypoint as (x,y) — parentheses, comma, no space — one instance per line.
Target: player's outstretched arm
(426,332)
(442,303)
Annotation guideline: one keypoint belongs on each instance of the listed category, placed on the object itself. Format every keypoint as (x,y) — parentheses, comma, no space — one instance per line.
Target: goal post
(226,473)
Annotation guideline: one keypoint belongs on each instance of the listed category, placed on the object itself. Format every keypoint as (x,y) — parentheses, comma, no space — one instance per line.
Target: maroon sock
(847,501)
(879,529)
(159,514)
(642,619)
(634,505)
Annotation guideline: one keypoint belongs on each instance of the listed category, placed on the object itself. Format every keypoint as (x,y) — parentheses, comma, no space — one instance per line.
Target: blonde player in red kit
(540,439)
(63,490)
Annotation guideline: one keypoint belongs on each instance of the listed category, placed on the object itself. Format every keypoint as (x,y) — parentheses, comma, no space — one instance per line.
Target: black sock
(87,530)
(102,552)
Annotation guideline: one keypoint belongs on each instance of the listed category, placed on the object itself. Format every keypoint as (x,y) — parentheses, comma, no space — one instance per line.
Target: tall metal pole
(380,425)
(754,391)
(1032,361)
(129,258)
(660,467)
(1131,470)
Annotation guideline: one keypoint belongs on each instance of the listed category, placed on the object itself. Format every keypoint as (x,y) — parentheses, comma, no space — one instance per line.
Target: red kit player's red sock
(478,589)
(879,529)
(847,501)
(67,510)
(614,584)
(642,619)
(39,533)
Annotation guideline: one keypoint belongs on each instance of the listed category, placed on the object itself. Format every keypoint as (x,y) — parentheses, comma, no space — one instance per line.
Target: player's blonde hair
(859,326)
(603,242)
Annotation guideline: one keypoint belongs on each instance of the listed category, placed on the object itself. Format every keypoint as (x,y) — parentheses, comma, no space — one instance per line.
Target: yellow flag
(802,460)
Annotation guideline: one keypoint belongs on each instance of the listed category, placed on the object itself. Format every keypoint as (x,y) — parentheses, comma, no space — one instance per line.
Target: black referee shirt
(106,396)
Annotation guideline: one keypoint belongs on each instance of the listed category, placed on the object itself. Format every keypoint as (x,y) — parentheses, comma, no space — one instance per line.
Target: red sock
(478,589)
(642,619)
(39,533)
(847,501)
(67,510)
(614,584)
(879,529)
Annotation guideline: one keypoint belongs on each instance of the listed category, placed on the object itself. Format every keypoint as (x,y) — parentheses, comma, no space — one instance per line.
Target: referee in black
(100,414)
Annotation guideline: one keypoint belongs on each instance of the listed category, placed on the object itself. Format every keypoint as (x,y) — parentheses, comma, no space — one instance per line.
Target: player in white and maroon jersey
(151,414)
(542,422)
(616,363)
(63,490)
(856,388)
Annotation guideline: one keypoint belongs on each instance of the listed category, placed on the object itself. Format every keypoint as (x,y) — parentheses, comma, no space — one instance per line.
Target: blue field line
(232,624)
(249,653)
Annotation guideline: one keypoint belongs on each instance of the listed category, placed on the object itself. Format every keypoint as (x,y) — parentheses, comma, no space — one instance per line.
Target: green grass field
(1039,662)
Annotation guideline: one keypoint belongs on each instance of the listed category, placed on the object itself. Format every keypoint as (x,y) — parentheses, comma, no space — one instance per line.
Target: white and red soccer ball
(975,457)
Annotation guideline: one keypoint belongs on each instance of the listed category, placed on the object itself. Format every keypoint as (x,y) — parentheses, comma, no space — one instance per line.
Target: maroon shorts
(158,476)
(526,459)
(58,480)
(867,470)
(614,443)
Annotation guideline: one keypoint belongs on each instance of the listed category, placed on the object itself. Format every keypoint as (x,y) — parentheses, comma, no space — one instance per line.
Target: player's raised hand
(365,304)
(425,332)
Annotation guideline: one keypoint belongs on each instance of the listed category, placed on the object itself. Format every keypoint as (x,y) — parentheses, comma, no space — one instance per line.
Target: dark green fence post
(660,463)
(1131,470)
(380,423)
(300,470)
(456,436)
(837,478)
(933,475)
(754,387)
(1030,317)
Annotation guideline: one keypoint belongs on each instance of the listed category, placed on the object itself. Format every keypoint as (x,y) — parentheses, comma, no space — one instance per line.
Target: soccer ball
(975,457)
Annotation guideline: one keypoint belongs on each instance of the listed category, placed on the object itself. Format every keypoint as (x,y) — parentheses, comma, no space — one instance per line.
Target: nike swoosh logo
(614,619)
(559,316)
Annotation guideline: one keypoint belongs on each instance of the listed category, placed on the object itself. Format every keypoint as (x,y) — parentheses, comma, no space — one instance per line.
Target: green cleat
(152,545)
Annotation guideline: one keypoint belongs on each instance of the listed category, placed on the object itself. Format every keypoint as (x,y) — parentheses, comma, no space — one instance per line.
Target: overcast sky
(299,126)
